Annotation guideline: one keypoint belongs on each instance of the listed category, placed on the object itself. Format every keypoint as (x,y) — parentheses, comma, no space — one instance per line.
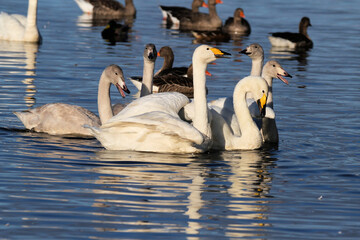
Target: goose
(175,13)
(237,24)
(272,69)
(167,68)
(107,8)
(17,27)
(234,26)
(115,32)
(67,119)
(203,21)
(152,123)
(293,40)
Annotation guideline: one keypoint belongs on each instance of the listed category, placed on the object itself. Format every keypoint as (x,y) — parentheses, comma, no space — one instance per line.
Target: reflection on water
(15,57)
(87,20)
(175,184)
(299,55)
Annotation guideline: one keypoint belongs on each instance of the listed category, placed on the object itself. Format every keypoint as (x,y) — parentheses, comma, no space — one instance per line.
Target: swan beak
(262,105)
(281,77)
(245,52)
(218,53)
(122,89)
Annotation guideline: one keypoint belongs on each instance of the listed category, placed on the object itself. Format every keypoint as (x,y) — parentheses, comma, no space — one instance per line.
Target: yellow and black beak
(262,105)
(219,53)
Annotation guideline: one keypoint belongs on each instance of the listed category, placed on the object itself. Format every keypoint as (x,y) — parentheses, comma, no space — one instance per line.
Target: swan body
(203,21)
(152,123)
(107,8)
(249,136)
(17,27)
(293,40)
(225,106)
(67,119)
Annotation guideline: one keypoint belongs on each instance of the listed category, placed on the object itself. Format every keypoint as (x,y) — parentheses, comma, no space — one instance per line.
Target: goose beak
(242,14)
(262,105)
(208,73)
(158,54)
(218,53)
(219,2)
(204,5)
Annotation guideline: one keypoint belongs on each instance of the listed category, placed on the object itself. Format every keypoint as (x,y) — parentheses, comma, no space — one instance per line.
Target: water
(69,188)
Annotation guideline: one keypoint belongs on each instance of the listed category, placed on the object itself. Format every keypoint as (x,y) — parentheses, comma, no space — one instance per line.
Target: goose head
(239,13)
(305,21)
(254,51)
(273,69)
(150,53)
(166,51)
(115,75)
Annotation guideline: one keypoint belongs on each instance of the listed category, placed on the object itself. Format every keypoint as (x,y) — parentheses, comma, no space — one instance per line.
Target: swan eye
(208,49)
(263,91)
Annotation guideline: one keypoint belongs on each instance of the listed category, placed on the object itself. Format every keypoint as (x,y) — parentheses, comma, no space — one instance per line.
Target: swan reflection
(157,185)
(19,58)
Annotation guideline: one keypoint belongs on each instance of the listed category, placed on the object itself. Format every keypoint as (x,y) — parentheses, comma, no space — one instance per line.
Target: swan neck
(257,66)
(250,134)
(201,121)
(269,80)
(104,101)
(148,74)
(31,14)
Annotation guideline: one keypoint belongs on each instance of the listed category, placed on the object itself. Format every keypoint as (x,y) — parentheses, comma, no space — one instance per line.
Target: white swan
(231,123)
(250,136)
(65,119)
(152,124)
(225,105)
(17,27)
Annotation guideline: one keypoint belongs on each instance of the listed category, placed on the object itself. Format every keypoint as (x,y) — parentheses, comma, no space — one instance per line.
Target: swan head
(207,54)
(254,51)
(115,75)
(150,53)
(273,69)
(259,89)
